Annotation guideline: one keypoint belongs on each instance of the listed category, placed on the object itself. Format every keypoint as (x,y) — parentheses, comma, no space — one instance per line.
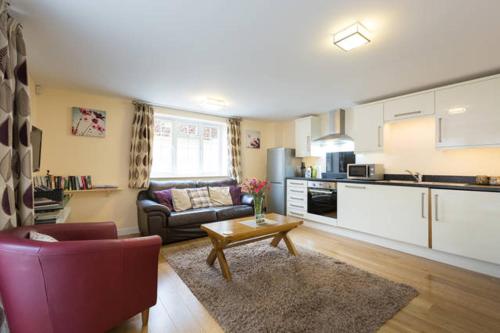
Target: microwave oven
(365,171)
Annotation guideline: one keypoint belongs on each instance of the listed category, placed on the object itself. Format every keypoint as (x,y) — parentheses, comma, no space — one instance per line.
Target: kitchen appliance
(365,171)
(281,163)
(322,198)
(335,128)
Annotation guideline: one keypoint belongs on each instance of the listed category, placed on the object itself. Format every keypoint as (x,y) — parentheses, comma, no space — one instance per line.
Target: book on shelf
(70,183)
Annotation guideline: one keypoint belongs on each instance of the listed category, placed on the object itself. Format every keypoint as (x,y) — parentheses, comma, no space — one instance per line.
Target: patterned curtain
(141,148)
(16,190)
(15,127)
(234,147)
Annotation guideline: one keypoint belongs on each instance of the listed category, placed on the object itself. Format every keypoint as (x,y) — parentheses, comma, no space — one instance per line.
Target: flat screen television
(36,144)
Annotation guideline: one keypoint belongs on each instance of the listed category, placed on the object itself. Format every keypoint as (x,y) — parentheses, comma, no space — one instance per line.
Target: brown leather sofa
(156,219)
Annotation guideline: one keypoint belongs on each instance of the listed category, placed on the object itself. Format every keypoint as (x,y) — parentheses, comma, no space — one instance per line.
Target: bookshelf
(105,190)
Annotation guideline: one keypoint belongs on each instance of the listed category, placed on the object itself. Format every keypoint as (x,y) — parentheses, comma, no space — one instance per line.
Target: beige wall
(106,159)
(409,144)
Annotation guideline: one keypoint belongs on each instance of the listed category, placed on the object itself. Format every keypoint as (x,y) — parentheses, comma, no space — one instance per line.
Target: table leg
(223,264)
(211,257)
(276,240)
(217,252)
(289,244)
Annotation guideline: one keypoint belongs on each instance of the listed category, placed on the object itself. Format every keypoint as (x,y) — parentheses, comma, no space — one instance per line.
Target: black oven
(322,198)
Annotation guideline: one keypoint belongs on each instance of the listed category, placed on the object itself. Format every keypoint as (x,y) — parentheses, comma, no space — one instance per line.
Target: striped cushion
(200,197)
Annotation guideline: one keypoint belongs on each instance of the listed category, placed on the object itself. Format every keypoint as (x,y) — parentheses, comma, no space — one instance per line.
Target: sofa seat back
(159,185)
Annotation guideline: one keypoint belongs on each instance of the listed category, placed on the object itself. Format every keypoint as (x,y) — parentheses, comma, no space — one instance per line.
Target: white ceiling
(266,58)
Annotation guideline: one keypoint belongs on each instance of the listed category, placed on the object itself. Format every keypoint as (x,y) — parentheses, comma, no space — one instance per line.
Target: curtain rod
(139,101)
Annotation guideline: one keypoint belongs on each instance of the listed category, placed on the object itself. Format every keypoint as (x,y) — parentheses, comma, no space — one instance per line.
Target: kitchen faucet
(417,176)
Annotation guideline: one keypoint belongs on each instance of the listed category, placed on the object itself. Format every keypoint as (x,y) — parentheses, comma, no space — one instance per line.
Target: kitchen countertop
(443,185)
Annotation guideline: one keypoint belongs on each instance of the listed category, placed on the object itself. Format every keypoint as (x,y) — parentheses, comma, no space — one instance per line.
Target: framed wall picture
(253,139)
(87,122)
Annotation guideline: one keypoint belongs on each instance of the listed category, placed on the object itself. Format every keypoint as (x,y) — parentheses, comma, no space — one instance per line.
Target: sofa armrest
(148,205)
(247,199)
(79,231)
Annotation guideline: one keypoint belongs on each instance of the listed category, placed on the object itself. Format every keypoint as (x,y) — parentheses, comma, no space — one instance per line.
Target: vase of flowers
(257,188)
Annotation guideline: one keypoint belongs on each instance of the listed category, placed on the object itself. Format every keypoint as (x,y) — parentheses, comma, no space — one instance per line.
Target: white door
(468,114)
(395,212)
(409,106)
(467,223)
(368,127)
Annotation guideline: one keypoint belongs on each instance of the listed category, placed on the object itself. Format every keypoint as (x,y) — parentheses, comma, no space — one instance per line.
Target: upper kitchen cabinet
(468,114)
(411,106)
(367,122)
(306,130)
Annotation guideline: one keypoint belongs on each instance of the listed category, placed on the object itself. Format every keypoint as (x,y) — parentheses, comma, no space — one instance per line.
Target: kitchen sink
(422,183)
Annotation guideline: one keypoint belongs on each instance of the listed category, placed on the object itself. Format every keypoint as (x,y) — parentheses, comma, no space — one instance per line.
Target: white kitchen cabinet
(467,223)
(306,130)
(411,106)
(296,198)
(367,123)
(468,114)
(394,212)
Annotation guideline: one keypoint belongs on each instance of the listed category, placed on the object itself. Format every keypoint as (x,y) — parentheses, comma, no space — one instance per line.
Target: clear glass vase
(258,203)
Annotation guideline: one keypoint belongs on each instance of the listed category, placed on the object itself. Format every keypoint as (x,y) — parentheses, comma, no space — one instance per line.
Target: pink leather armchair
(87,282)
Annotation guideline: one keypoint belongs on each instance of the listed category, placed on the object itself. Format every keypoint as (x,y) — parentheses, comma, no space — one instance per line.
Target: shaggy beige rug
(273,291)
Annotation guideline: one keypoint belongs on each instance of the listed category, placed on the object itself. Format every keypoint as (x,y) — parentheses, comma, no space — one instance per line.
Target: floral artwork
(253,139)
(87,122)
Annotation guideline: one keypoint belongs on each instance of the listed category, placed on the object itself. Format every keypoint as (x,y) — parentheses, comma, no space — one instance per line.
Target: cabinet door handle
(295,213)
(440,130)
(356,187)
(436,207)
(379,136)
(407,113)
(308,143)
(423,205)
(296,206)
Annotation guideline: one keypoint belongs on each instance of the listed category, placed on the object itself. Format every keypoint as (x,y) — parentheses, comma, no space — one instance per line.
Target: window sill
(189,177)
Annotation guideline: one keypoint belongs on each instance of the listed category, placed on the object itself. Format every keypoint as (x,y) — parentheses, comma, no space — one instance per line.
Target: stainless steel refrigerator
(281,163)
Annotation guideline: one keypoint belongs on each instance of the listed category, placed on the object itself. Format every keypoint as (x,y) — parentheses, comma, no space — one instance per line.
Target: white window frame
(223,148)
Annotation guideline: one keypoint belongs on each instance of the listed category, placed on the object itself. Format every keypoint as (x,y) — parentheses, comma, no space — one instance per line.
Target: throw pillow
(235,191)
(181,200)
(41,237)
(165,198)
(220,196)
(199,197)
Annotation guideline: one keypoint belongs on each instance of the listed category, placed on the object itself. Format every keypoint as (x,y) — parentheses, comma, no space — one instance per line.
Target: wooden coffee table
(231,233)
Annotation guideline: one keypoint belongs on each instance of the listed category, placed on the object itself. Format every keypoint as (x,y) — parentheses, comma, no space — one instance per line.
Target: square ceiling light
(351,37)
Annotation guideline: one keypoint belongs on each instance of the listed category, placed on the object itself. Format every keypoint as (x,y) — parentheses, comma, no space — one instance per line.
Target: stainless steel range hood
(335,128)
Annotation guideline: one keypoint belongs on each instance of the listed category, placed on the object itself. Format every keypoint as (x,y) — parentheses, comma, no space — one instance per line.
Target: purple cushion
(165,198)
(235,192)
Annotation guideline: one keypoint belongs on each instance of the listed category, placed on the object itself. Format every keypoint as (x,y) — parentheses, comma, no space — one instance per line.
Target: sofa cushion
(165,198)
(192,216)
(199,197)
(220,196)
(233,212)
(235,191)
(181,200)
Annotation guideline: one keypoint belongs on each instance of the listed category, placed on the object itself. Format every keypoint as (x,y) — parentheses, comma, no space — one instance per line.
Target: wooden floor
(450,300)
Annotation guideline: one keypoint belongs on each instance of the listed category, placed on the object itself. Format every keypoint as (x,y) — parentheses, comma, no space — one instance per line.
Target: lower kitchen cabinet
(467,223)
(395,212)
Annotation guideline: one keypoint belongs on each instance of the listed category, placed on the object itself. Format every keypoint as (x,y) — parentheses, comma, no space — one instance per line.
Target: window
(188,148)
